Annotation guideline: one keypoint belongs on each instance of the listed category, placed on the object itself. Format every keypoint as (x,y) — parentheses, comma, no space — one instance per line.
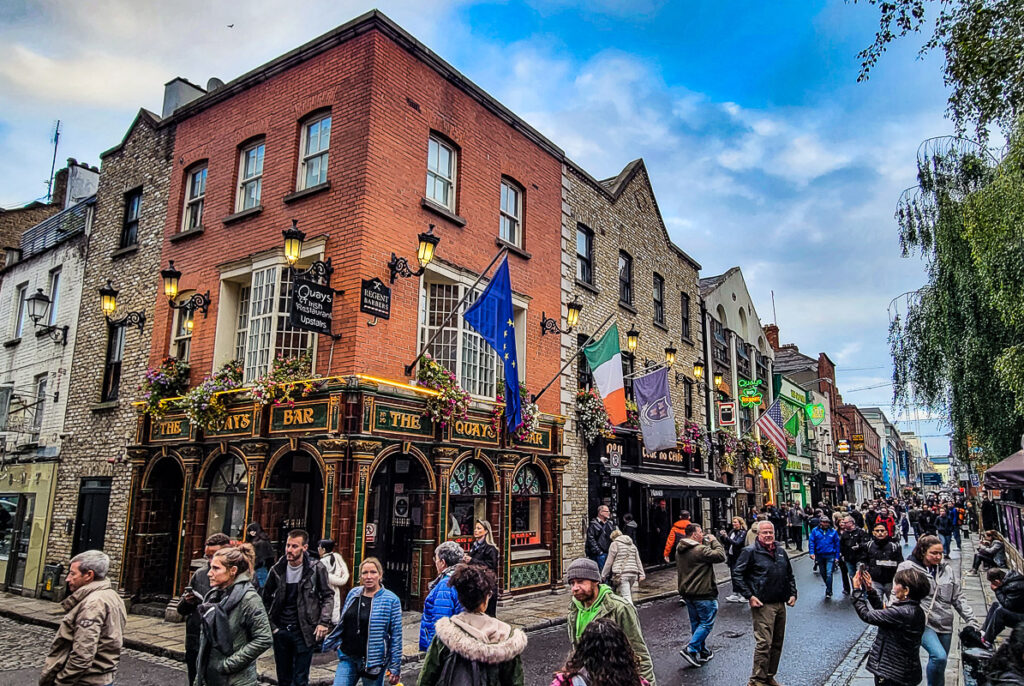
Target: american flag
(770,424)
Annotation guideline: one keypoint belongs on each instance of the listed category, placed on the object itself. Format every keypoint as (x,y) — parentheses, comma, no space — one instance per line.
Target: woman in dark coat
(484,552)
(265,558)
(894,657)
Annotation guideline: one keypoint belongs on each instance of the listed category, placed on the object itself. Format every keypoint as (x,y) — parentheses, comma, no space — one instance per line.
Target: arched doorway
(398,493)
(293,498)
(467,500)
(158,533)
(228,483)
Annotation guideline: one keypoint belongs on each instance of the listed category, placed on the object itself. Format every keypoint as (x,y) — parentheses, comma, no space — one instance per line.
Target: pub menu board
(311,307)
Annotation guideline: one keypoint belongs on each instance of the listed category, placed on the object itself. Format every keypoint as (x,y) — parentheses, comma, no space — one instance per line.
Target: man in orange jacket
(677,533)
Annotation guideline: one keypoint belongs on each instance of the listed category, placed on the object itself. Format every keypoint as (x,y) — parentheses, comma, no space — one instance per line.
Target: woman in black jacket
(485,552)
(894,657)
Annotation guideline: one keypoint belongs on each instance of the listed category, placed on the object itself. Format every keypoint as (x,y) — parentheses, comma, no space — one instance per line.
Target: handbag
(371,672)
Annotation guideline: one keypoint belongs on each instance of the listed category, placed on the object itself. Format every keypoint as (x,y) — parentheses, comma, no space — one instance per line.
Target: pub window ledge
(627,307)
(244,214)
(104,406)
(127,250)
(184,235)
(13,342)
(306,192)
(588,287)
(441,211)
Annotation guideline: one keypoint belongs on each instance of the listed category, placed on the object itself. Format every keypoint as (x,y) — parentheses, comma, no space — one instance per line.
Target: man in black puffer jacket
(882,556)
(853,545)
(894,656)
(1008,608)
(763,575)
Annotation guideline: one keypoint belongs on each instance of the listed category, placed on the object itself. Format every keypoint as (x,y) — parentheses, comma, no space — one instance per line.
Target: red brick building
(365,138)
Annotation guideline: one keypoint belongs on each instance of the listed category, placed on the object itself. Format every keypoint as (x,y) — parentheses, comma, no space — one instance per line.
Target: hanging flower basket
(692,438)
(204,405)
(728,454)
(287,377)
(632,416)
(529,412)
(168,380)
(591,416)
(769,454)
(451,402)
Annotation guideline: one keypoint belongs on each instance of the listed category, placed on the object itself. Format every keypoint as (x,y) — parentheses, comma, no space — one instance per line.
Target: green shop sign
(169,428)
(472,430)
(304,416)
(538,440)
(236,423)
(750,394)
(815,413)
(400,420)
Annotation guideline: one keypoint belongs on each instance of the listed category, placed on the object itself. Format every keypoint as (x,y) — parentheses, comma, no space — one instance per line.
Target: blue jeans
(826,565)
(937,646)
(348,672)
(292,657)
(600,559)
(946,538)
(702,621)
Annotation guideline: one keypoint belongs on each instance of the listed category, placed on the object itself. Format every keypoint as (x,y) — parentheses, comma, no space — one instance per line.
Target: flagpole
(409,367)
(571,358)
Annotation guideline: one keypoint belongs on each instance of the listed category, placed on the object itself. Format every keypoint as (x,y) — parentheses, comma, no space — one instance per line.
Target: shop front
(796,480)
(26,495)
(357,461)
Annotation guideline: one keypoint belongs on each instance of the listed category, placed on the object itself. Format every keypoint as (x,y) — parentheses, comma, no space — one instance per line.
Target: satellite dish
(213,84)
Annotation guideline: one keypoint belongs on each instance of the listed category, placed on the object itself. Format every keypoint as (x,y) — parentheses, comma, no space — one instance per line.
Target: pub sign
(311,307)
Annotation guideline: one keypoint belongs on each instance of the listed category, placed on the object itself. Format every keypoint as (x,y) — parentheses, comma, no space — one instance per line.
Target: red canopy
(1007,474)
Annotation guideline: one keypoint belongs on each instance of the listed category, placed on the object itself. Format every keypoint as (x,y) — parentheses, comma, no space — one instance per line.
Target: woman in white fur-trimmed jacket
(473,647)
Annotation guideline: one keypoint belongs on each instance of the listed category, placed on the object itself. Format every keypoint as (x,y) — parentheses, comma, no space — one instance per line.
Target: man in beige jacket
(88,643)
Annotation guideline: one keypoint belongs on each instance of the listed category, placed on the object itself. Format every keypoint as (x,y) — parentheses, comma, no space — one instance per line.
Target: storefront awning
(676,482)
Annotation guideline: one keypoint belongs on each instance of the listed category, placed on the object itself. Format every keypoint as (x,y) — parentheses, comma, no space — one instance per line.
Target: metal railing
(55,229)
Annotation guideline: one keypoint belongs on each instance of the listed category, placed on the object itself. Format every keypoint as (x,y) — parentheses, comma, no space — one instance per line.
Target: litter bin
(51,581)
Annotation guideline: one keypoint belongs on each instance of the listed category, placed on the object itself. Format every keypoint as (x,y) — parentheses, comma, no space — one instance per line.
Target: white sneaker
(735,599)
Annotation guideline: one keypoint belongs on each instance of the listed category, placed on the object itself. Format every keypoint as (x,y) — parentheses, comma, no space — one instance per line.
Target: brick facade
(98,433)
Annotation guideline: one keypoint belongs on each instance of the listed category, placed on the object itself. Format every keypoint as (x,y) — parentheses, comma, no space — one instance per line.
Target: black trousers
(292,657)
(796,534)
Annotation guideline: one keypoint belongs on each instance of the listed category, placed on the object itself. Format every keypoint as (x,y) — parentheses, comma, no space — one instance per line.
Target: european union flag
(492,317)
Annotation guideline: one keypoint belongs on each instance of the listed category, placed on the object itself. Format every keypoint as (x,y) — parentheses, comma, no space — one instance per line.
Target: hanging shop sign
(727,413)
(311,307)
(375,298)
(614,453)
(815,413)
(371,532)
(844,447)
(858,441)
(750,394)
(537,440)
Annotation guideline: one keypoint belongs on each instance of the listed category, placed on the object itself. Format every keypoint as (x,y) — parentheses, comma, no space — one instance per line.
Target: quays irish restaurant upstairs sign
(311,307)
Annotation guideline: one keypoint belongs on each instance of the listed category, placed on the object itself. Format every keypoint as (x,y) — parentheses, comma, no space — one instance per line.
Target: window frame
(112,367)
(684,313)
(688,398)
(39,385)
(130,222)
(257,178)
(518,237)
(180,336)
(628,368)
(51,318)
(658,298)
(626,284)
(194,205)
(20,308)
(306,157)
(451,181)
(588,259)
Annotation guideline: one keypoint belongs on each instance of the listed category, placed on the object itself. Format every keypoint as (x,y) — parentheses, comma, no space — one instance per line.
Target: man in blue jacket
(442,600)
(824,550)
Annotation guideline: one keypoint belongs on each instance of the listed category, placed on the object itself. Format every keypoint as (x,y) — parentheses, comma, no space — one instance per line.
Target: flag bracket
(579,348)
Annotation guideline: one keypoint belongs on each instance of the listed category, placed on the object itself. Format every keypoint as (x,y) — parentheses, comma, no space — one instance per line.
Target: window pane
(261,322)
(54,296)
(19,326)
(289,341)
(242,325)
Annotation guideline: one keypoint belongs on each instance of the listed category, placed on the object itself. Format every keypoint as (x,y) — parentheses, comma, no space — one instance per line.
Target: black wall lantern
(197,301)
(572,317)
(319,270)
(38,305)
(108,303)
(399,266)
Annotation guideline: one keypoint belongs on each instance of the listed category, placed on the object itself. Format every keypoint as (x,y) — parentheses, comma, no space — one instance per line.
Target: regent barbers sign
(311,307)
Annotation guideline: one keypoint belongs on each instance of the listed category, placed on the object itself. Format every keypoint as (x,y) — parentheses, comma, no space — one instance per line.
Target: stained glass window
(467,479)
(526,482)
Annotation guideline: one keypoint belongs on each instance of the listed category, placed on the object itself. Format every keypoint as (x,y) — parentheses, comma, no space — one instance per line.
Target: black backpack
(459,671)
(1011,594)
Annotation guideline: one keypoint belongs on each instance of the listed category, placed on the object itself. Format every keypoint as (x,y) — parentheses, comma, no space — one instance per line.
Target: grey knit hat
(583,568)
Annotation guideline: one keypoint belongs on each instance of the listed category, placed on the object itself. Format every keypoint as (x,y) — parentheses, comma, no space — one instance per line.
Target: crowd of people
(243,601)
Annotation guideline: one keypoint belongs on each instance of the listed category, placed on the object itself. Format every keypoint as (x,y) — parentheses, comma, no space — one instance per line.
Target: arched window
(526,506)
(228,487)
(467,500)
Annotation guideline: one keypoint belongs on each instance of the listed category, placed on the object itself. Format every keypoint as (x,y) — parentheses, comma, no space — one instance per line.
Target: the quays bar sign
(303,416)
(170,428)
(538,440)
(473,430)
(238,422)
(399,420)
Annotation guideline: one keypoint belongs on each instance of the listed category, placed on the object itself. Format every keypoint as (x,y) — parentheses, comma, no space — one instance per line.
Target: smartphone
(862,568)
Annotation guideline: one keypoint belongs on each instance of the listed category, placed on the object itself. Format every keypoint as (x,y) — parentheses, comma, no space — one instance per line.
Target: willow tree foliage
(983,44)
(948,344)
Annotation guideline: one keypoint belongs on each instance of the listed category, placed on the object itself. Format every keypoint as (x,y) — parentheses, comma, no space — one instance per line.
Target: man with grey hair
(442,600)
(88,643)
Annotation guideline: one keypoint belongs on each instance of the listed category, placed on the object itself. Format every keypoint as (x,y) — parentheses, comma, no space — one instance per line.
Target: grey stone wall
(98,433)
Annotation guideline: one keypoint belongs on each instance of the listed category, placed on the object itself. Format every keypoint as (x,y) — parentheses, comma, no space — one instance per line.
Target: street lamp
(632,339)
(670,355)
(572,317)
(196,301)
(293,239)
(108,304)
(399,266)
(38,304)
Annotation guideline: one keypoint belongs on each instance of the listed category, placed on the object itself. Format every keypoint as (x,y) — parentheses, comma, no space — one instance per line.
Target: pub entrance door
(294,499)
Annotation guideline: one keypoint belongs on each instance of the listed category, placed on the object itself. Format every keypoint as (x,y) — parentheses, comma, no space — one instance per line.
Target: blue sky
(763,149)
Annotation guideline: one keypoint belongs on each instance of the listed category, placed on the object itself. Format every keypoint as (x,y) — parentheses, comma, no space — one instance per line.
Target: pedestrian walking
(661,523)
(823,547)
(623,565)
(944,526)
(751,536)
(853,543)
(956,513)
(592,600)
(631,528)
(904,527)
(484,552)
(1007,610)
(603,657)
(991,552)
(894,656)
(442,599)
(599,535)
(88,643)
(300,602)
(696,556)
(886,519)
(264,550)
(764,575)
(795,520)
(473,647)
(734,542)
(676,534)
(858,518)
(883,557)
(236,629)
(1006,668)
(945,597)
(928,518)
(337,573)
(198,587)
(369,636)
(915,521)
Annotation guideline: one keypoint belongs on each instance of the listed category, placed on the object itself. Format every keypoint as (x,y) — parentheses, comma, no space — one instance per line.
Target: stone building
(39,303)
(735,346)
(621,265)
(91,507)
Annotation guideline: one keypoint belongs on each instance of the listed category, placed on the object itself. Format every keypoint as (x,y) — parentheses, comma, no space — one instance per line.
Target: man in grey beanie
(592,600)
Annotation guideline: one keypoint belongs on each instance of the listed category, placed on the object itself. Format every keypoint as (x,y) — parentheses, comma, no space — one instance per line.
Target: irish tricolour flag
(605,359)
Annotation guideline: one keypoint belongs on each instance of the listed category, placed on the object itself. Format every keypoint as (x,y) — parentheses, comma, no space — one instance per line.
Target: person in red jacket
(885,517)
(677,534)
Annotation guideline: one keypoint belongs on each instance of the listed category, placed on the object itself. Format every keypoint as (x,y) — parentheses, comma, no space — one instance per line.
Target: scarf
(214,611)
(585,615)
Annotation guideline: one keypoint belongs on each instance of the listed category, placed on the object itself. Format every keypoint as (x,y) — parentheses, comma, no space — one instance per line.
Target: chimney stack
(177,93)
(771,331)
